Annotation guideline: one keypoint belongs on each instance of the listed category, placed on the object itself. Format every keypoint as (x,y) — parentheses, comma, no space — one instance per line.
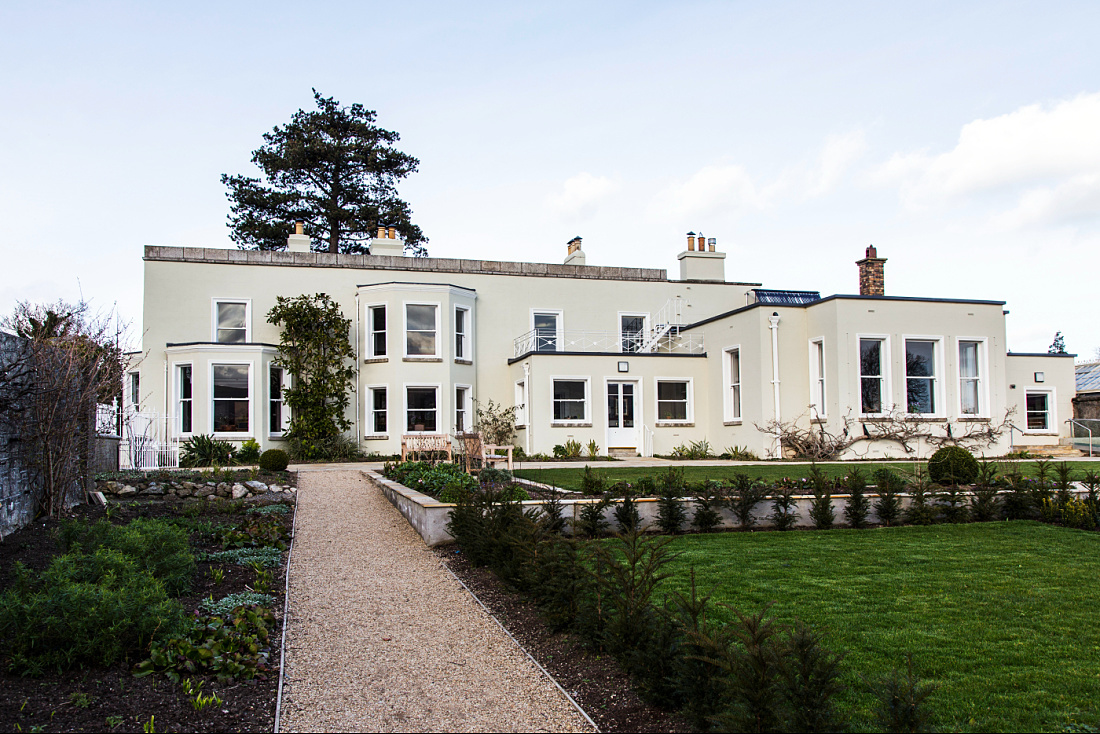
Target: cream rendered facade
(435,336)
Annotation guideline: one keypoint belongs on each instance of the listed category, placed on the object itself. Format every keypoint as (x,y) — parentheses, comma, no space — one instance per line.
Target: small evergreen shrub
(858,507)
(249,452)
(784,511)
(274,460)
(888,505)
(158,546)
(902,701)
(953,465)
(745,494)
(592,482)
(626,514)
(953,505)
(493,475)
(670,512)
(821,508)
(920,510)
(707,499)
(591,522)
(205,450)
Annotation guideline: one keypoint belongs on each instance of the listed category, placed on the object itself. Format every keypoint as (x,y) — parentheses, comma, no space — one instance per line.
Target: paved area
(381,638)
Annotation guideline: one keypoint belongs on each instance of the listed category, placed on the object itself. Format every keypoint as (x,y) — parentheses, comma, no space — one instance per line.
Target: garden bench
(417,443)
(480,454)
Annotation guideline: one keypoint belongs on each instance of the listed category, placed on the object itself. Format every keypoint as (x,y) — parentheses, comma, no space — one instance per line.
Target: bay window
(377,410)
(421,327)
(421,409)
(462,318)
(231,398)
(871,375)
(184,398)
(376,325)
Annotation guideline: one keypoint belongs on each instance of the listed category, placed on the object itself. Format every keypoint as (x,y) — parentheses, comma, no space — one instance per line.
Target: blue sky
(962,140)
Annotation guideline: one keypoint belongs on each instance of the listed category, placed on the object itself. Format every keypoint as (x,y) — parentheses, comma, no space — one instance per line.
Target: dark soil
(594,681)
(111,699)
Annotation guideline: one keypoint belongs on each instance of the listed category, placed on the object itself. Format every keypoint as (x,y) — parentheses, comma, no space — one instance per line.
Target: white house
(626,357)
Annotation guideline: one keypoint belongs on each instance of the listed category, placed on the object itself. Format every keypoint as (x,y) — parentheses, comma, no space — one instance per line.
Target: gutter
(773,324)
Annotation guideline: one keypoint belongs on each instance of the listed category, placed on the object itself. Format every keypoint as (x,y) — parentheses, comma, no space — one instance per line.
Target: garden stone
(213,498)
(126,489)
(239,492)
(153,489)
(256,487)
(183,492)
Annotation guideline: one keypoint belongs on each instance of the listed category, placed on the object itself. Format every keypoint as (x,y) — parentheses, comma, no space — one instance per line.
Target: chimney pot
(381,232)
(392,233)
(711,243)
(298,227)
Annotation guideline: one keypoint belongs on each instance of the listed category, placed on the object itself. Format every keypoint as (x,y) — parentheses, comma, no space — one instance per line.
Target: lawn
(1001,616)
(571,478)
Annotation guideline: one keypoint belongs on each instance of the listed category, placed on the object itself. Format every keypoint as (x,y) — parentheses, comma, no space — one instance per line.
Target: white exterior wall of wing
(1059,381)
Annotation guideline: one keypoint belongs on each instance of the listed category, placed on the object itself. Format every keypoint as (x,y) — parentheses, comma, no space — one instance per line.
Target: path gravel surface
(381,638)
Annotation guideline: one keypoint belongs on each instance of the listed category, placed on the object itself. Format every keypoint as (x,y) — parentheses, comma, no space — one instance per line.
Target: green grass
(1001,616)
(571,478)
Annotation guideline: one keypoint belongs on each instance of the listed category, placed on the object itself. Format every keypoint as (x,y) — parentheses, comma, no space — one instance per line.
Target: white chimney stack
(298,242)
(387,242)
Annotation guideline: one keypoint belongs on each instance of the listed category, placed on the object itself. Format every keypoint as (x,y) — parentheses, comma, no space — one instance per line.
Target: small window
(870,376)
(546,331)
(460,409)
(420,330)
(378,411)
(377,341)
(279,413)
(232,326)
(185,399)
(231,398)
(733,387)
(521,404)
(817,378)
(631,332)
(135,389)
(672,400)
(569,400)
(422,410)
(969,378)
(920,376)
(461,348)
(1038,411)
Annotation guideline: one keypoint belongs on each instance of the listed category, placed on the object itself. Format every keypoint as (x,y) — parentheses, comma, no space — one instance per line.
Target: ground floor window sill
(376,437)
(375,360)
(421,359)
(972,419)
(464,361)
(667,424)
(731,423)
(570,425)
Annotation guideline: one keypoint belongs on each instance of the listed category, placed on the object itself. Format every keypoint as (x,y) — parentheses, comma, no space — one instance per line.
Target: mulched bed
(111,699)
(594,681)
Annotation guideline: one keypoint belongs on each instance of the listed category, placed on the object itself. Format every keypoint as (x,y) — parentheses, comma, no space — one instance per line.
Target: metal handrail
(544,340)
(1082,425)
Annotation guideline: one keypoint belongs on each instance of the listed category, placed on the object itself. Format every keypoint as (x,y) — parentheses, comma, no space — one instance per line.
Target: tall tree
(1059,344)
(335,170)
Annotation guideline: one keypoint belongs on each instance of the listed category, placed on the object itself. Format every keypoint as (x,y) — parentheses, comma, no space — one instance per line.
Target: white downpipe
(773,324)
(167,417)
(527,407)
(358,373)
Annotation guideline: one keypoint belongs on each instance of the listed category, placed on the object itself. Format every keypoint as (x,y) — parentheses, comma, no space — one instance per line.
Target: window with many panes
(460,409)
(817,377)
(376,343)
(970,377)
(135,389)
(421,326)
(672,400)
(570,400)
(231,398)
(1038,411)
(871,375)
(733,384)
(184,399)
(422,408)
(632,332)
(920,376)
(278,412)
(231,325)
(547,327)
(377,411)
(462,324)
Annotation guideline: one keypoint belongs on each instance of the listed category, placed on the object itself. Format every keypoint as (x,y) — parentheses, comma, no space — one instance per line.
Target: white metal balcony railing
(670,342)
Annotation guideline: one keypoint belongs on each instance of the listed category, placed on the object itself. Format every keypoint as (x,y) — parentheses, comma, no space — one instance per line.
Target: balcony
(669,341)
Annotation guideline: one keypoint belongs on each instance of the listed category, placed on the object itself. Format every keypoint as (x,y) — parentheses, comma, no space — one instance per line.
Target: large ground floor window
(1038,411)
(422,409)
(231,398)
(570,400)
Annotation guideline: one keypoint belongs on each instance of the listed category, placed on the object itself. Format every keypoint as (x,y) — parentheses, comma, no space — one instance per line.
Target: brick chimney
(871,273)
(574,254)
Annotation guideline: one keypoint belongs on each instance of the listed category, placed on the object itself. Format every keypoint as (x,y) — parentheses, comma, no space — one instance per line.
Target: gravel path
(381,638)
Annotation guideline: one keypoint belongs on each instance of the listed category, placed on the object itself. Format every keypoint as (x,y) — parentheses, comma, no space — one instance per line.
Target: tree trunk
(334,238)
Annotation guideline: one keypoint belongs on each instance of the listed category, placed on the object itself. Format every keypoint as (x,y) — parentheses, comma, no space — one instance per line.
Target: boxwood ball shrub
(274,460)
(953,465)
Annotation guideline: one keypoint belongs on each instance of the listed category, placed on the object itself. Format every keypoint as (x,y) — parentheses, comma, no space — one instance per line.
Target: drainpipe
(167,431)
(527,407)
(773,324)
(358,372)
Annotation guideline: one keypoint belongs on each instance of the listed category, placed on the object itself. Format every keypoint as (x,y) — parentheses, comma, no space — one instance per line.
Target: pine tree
(1058,346)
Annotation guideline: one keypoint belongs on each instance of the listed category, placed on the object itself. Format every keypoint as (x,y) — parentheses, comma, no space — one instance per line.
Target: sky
(961,139)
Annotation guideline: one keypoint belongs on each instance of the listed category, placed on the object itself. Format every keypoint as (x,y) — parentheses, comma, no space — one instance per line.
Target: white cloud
(1074,200)
(581,195)
(837,156)
(1044,158)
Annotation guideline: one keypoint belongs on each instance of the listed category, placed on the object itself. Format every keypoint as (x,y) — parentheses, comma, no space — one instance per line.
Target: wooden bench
(413,444)
(479,454)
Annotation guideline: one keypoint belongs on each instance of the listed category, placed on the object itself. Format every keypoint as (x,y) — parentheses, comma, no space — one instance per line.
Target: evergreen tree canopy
(1059,345)
(334,170)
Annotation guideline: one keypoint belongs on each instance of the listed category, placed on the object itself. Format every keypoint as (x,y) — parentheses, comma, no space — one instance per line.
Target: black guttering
(620,355)
(221,344)
(1039,354)
(844,298)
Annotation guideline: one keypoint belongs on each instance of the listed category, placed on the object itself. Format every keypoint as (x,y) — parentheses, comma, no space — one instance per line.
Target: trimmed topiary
(953,465)
(274,460)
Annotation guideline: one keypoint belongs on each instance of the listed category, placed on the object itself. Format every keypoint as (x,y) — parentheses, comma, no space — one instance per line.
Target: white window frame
(521,404)
(440,407)
(559,336)
(657,402)
(247,320)
(818,380)
(587,399)
(284,410)
(645,327)
(731,413)
(251,432)
(983,371)
(371,331)
(463,337)
(134,395)
(369,410)
(405,332)
(177,400)
(886,378)
(1052,411)
(466,408)
(937,377)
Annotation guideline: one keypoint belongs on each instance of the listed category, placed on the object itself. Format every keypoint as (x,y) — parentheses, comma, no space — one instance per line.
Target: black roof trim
(620,355)
(220,344)
(844,297)
(413,282)
(1039,354)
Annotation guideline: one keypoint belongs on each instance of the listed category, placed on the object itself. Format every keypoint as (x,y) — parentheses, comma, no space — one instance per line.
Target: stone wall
(152,488)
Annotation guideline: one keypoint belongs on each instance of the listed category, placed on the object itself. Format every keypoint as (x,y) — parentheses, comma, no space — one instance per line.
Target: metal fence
(541,340)
(1086,434)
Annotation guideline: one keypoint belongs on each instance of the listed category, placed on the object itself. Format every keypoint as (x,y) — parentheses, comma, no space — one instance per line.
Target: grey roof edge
(202,255)
(839,297)
(620,355)
(1038,354)
(413,282)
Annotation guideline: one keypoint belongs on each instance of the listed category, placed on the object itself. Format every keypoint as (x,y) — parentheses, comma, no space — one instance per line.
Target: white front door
(622,431)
